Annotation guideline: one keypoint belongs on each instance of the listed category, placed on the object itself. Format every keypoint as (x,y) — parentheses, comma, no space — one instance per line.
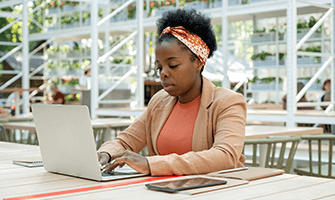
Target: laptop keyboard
(105,174)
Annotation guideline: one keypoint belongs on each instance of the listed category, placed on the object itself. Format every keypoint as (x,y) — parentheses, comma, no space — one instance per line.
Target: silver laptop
(67,143)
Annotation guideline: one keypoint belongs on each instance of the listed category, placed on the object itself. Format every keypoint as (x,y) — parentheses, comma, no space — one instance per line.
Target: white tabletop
(264,131)
(96,123)
(17,181)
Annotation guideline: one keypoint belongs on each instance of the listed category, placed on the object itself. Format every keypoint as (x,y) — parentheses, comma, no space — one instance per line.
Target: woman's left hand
(134,160)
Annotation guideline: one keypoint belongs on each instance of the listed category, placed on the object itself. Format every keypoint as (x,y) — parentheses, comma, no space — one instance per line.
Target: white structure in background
(239,70)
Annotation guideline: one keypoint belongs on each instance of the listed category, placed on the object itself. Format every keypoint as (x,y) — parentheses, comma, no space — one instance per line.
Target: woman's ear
(200,65)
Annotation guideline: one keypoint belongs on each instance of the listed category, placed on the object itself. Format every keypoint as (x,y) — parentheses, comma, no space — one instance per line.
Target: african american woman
(190,126)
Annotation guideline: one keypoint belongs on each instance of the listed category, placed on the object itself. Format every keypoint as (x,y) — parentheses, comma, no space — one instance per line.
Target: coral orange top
(177,132)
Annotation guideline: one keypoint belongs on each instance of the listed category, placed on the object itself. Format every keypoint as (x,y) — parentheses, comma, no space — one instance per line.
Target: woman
(326,96)
(191,126)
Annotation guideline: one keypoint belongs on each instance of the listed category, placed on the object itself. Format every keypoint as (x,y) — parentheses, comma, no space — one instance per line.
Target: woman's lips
(165,85)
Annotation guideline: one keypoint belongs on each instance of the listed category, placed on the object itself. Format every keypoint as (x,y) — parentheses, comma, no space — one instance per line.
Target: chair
(319,169)
(272,160)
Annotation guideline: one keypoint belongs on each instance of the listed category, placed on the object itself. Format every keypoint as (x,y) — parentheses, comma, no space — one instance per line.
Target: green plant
(52,66)
(64,49)
(312,22)
(217,83)
(302,25)
(260,30)
(264,54)
(309,78)
(76,48)
(131,11)
(75,65)
(245,1)
(270,79)
(73,97)
(70,81)
(117,60)
(52,50)
(65,65)
(1,68)
(281,56)
(86,63)
(129,60)
(261,56)
(272,30)
(316,49)
(255,79)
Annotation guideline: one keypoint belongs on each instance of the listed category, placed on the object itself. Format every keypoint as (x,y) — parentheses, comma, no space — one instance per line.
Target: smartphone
(184,184)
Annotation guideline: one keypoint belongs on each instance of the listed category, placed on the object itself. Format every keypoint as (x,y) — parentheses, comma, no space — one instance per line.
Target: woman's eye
(173,66)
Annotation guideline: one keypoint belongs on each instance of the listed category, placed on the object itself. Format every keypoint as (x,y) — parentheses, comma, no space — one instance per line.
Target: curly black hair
(191,20)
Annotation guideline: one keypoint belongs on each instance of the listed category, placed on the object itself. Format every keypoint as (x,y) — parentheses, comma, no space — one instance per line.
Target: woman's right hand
(103,158)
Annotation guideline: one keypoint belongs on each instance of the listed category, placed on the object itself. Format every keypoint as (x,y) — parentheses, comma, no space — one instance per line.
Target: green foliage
(52,66)
(70,18)
(245,1)
(281,56)
(316,49)
(52,50)
(1,68)
(309,78)
(76,48)
(129,60)
(117,60)
(261,56)
(64,48)
(73,97)
(302,25)
(255,79)
(260,30)
(217,83)
(312,22)
(75,65)
(70,82)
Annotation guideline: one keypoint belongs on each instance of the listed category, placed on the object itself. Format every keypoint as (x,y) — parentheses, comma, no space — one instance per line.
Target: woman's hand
(103,158)
(134,160)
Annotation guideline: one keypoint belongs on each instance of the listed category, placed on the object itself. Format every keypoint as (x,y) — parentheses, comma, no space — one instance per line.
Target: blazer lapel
(160,115)
(200,135)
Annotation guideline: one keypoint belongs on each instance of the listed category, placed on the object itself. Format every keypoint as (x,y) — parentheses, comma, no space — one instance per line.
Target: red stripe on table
(99,187)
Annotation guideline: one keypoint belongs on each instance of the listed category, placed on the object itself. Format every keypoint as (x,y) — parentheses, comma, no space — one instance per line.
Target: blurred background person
(303,98)
(11,102)
(85,81)
(57,97)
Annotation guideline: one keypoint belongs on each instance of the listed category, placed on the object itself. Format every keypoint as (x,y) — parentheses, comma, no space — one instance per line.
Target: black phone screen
(184,184)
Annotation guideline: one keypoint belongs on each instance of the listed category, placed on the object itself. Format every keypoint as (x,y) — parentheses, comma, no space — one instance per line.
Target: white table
(265,131)
(19,181)
(99,127)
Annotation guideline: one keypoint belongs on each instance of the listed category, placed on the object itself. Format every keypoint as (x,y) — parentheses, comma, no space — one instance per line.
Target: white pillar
(25,55)
(332,71)
(277,61)
(94,58)
(107,43)
(291,62)
(140,54)
(225,81)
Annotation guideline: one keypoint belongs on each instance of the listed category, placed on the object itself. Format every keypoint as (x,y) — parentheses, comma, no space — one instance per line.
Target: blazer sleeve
(132,138)
(226,152)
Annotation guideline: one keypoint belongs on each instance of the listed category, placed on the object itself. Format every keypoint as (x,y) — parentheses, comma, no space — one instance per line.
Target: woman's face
(179,74)
(327,87)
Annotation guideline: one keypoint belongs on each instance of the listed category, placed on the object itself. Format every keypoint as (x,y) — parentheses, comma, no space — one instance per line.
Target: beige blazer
(218,135)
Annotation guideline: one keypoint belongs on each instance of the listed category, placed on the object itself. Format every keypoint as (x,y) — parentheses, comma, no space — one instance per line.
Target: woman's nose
(164,72)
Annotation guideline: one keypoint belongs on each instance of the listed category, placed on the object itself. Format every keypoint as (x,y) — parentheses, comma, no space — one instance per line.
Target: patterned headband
(191,40)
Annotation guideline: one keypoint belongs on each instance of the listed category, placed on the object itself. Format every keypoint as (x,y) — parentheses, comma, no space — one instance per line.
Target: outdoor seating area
(167,99)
